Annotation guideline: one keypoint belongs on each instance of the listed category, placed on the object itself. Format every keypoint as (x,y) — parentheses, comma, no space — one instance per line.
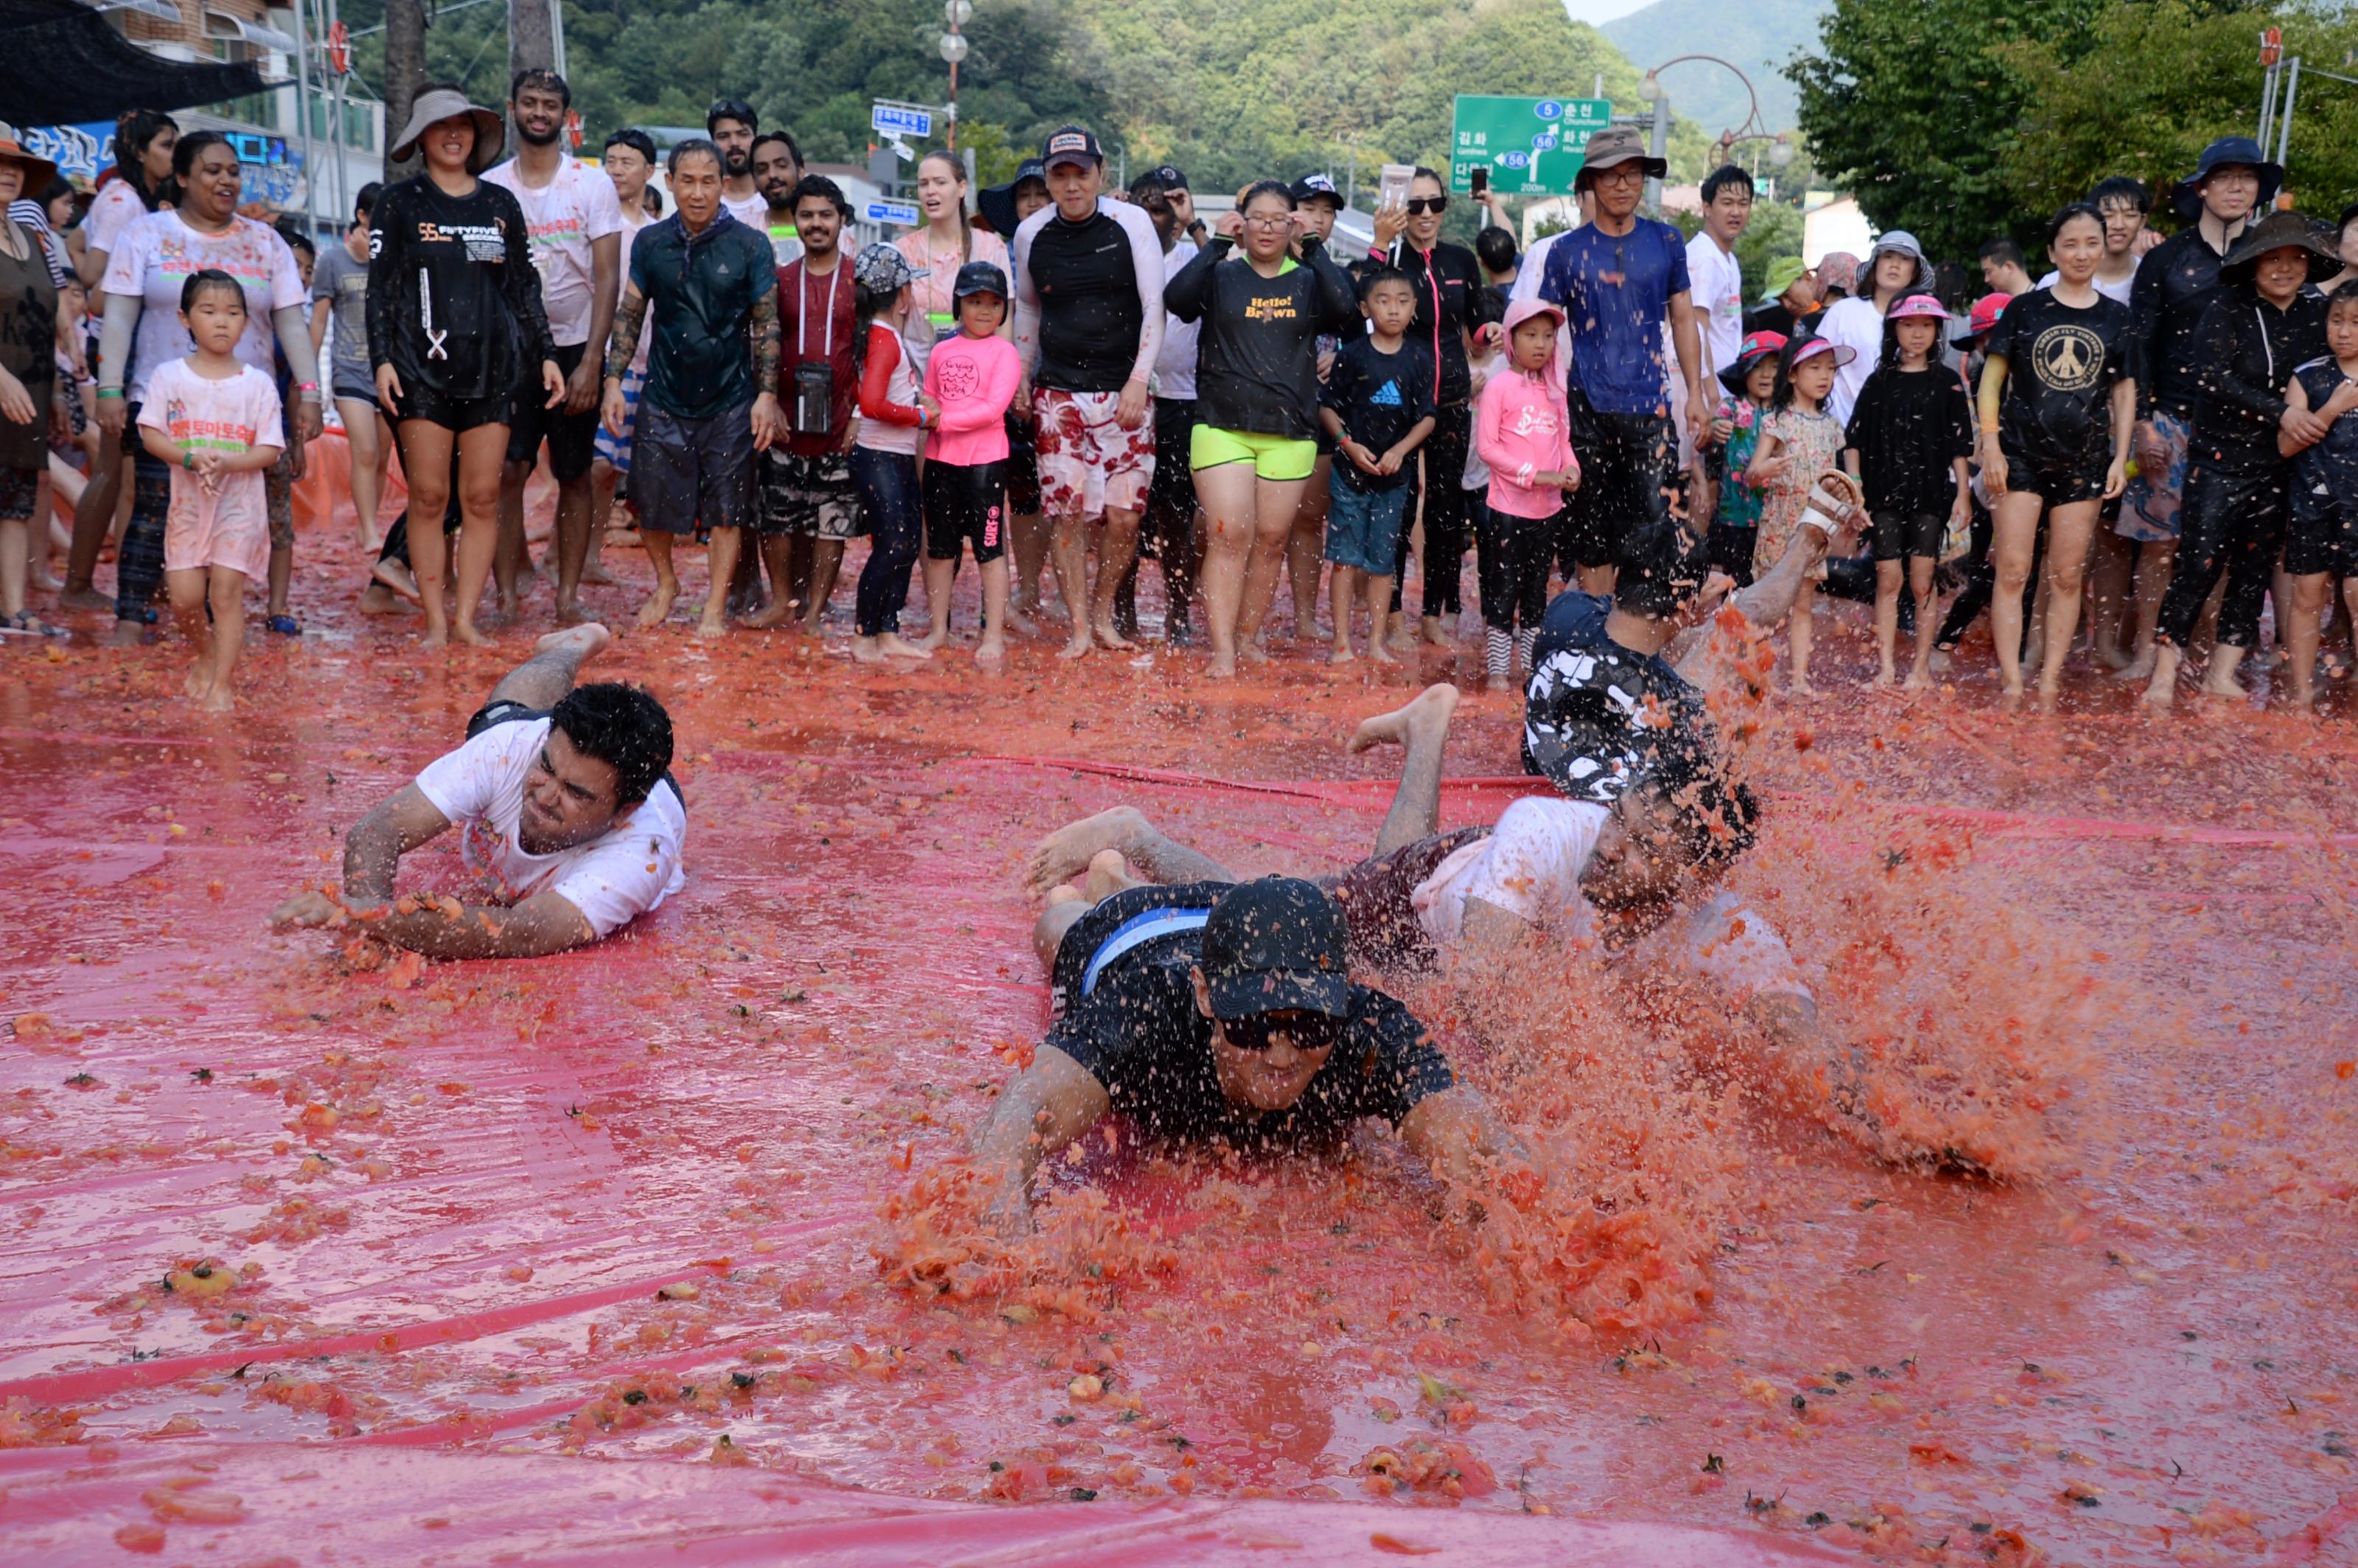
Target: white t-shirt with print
(2119,290)
(153,260)
(230,523)
(1715,285)
(566,217)
(623,873)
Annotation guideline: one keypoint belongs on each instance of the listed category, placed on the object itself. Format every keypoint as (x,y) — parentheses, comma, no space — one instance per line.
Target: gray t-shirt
(344,283)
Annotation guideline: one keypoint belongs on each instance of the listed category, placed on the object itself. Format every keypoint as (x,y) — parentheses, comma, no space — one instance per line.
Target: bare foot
(511,605)
(129,633)
(583,642)
(992,653)
(2138,668)
(570,613)
(1061,894)
(1109,874)
(1403,638)
(1888,676)
(1252,653)
(710,627)
(1022,624)
(219,700)
(1798,685)
(777,613)
(396,579)
(465,631)
(1377,655)
(370,541)
(436,635)
(1078,647)
(1919,680)
(84,599)
(934,638)
(595,571)
(2225,686)
(1342,654)
(1427,713)
(1500,683)
(378,599)
(1111,637)
(1068,851)
(1430,630)
(2114,658)
(657,609)
(199,682)
(1223,667)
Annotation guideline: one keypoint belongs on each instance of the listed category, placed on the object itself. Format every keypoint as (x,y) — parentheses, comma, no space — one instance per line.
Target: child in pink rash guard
(972,378)
(1522,432)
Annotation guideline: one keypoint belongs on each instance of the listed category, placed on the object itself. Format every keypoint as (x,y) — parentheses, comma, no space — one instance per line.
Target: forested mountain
(1758,38)
(1229,89)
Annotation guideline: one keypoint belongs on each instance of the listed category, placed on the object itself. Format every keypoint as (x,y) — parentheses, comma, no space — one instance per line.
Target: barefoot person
(1089,325)
(456,326)
(566,811)
(703,284)
(1221,1016)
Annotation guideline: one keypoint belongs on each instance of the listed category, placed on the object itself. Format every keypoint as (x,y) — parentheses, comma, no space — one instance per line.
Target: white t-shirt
(1174,368)
(566,217)
(113,208)
(624,871)
(752,209)
(2119,291)
(1715,285)
(153,259)
(1857,325)
(230,526)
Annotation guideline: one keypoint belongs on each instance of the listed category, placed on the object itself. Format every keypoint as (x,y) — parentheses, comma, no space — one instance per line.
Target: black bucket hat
(2278,232)
(2227,150)
(996,203)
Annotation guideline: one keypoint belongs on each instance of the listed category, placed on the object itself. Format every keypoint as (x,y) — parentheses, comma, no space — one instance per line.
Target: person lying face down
(565,808)
(1224,1017)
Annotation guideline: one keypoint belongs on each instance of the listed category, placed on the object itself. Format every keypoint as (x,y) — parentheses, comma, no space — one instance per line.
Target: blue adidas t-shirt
(1615,294)
(1379,397)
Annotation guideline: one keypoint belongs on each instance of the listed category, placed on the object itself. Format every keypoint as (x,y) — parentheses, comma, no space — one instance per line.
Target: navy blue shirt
(2325,476)
(700,291)
(1615,294)
(1379,397)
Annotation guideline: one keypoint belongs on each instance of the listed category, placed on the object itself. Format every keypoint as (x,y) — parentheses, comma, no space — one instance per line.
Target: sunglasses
(1309,1033)
(1422,204)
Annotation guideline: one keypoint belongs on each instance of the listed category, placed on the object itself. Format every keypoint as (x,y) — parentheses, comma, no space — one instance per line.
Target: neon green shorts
(1273,457)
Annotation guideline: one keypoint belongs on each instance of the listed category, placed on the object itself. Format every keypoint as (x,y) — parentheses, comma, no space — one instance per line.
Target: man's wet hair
(821,186)
(694,146)
(1660,568)
(735,109)
(1716,817)
(2343,294)
(1385,274)
(2004,252)
(542,76)
(1726,176)
(793,151)
(1495,246)
(623,725)
(638,141)
(2121,188)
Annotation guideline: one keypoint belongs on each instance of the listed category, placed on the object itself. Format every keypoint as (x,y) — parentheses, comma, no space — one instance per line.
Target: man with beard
(576,223)
(732,126)
(777,169)
(809,505)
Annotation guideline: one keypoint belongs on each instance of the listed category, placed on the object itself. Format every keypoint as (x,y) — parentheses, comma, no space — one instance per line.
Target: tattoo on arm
(622,343)
(765,344)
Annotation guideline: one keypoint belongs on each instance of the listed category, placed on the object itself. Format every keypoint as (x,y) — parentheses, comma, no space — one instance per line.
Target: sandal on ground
(286,625)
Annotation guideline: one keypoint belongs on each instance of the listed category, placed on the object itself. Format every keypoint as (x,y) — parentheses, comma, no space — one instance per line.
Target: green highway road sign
(1531,145)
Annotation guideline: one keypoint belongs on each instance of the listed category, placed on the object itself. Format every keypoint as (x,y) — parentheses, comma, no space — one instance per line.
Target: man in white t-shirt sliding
(566,811)
(577,225)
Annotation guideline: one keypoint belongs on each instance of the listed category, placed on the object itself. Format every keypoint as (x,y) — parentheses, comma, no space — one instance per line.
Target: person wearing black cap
(1089,325)
(2174,284)
(1220,1015)
(2265,321)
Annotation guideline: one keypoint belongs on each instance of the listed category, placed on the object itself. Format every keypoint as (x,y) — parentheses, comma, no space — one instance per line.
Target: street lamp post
(958,14)
(1781,151)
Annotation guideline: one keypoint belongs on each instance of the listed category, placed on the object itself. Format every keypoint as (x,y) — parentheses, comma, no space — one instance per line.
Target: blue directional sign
(902,120)
(904,214)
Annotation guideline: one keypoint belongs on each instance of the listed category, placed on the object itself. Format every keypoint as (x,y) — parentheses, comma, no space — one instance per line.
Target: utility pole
(532,41)
(405,72)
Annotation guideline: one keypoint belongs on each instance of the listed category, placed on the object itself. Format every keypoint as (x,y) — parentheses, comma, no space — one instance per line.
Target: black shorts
(686,474)
(1119,925)
(965,505)
(344,389)
(2327,543)
(1627,462)
(1897,535)
(456,414)
(19,489)
(2057,483)
(1380,928)
(1731,549)
(570,436)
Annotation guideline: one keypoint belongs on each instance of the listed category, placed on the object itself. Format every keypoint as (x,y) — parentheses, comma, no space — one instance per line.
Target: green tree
(1910,106)
(2173,77)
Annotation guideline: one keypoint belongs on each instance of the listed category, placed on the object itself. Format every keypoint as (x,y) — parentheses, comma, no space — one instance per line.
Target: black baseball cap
(1316,187)
(1275,946)
(979,277)
(1070,143)
(1168,177)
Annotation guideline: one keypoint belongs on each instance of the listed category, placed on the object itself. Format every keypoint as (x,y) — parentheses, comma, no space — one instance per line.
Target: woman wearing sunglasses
(1451,302)
(1220,1015)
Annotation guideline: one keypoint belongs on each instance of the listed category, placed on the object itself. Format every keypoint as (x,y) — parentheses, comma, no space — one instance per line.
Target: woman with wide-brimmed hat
(456,325)
(2266,320)
(30,407)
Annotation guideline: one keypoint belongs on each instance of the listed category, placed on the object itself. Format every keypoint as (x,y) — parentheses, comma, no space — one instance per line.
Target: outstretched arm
(1765,603)
(1459,1135)
(1039,1113)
